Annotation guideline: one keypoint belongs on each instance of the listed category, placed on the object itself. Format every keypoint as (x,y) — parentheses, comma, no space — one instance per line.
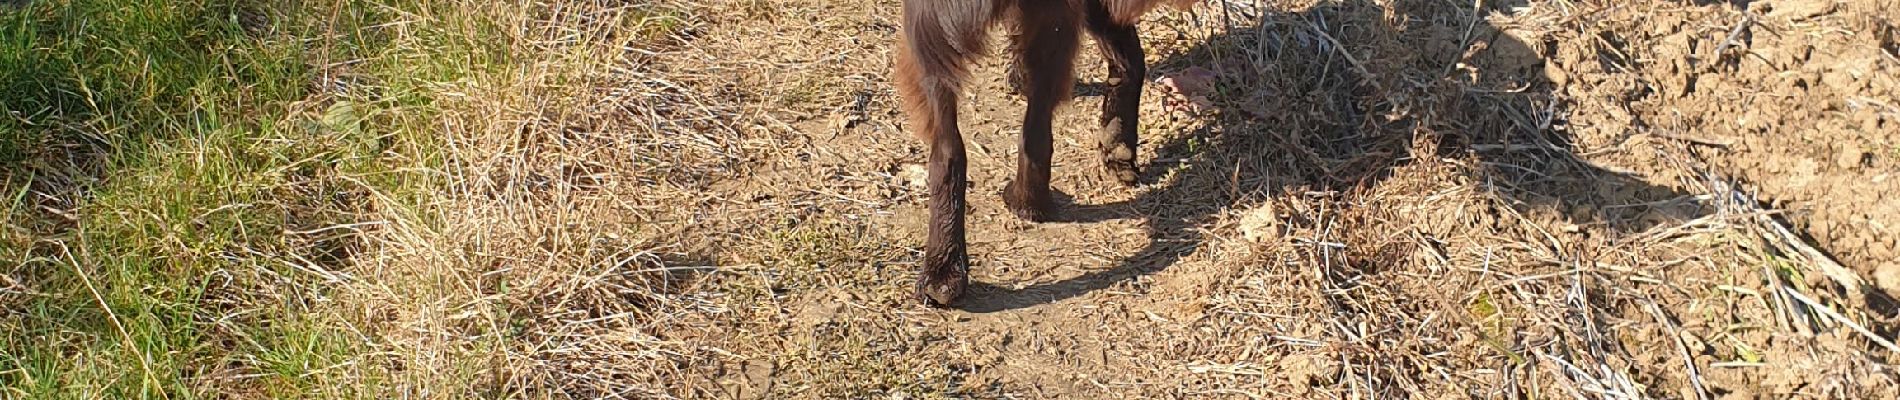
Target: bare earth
(1369,199)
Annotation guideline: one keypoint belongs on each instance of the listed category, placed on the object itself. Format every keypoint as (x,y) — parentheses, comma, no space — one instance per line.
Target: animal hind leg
(1047,55)
(1119,137)
(933,53)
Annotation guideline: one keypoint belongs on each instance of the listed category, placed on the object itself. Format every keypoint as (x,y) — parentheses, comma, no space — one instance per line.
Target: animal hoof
(943,279)
(1119,162)
(1029,205)
(1118,153)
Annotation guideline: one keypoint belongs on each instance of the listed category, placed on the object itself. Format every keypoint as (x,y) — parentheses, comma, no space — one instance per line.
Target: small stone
(1887,278)
(1556,74)
(1850,156)
(913,174)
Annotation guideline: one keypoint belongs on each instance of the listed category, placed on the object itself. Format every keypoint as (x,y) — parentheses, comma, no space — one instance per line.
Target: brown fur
(939,39)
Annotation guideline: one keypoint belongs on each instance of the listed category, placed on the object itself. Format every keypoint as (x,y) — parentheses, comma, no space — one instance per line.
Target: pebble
(1850,156)
(1887,278)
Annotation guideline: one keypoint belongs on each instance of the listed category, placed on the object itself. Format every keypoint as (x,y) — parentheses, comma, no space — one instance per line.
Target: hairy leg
(1119,137)
(1048,41)
(939,36)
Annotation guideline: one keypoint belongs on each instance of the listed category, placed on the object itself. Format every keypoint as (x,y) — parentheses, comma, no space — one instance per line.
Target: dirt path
(1374,200)
(1055,303)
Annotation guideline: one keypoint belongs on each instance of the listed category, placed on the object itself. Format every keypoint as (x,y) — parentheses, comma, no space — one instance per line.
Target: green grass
(172,128)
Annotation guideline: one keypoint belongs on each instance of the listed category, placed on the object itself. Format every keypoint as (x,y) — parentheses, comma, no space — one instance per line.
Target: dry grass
(537,267)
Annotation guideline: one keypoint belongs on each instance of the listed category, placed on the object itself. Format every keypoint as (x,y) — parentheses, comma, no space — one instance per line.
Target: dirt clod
(1887,278)
(1261,224)
(1850,156)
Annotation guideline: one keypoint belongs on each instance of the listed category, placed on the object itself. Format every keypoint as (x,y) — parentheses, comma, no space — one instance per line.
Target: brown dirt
(1378,199)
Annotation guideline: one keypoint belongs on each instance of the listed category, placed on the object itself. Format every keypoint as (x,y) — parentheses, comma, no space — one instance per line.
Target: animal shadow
(1328,100)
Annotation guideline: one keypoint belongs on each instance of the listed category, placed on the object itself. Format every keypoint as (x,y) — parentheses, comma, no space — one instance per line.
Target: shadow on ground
(1326,102)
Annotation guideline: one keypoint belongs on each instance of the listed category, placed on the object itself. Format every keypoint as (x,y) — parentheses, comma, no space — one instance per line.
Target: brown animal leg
(946,264)
(938,37)
(1120,44)
(946,268)
(1047,56)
